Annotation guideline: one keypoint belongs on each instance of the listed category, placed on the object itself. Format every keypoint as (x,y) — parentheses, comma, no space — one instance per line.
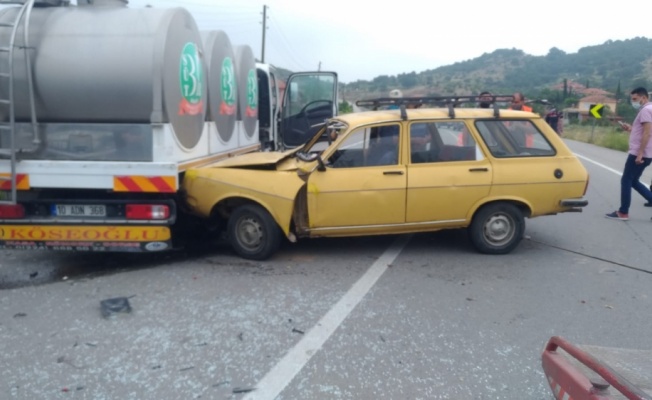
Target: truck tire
(253,233)
(497,228)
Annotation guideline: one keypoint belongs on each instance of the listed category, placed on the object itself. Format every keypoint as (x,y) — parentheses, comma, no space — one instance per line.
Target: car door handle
(478,169)
(392,172)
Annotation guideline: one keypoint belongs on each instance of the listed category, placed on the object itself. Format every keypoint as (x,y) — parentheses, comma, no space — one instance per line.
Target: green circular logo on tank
(228,85)
(191,74)
(252,90)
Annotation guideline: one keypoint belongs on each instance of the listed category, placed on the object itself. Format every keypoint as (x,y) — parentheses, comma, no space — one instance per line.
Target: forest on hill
(614,66)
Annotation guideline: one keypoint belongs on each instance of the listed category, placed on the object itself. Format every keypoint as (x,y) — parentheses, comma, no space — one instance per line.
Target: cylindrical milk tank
(111,64)
(222,84)
(247,88)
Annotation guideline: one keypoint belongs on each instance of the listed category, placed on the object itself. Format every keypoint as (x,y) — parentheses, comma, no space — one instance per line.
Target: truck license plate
(79,210)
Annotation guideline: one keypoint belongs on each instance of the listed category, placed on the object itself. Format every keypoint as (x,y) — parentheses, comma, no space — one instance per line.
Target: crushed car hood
(255,158)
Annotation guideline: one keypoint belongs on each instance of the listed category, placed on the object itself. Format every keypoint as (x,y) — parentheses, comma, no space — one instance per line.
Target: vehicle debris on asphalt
(114,306)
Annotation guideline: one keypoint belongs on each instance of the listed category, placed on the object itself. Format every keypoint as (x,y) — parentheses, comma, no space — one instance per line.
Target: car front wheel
(497,228)
(253,233)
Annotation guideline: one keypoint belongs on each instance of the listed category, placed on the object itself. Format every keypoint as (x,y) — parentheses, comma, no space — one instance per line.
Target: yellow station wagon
(393,171)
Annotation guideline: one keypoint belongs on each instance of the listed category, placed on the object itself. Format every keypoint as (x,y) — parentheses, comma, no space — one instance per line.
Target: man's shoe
(618,215)
(648,204)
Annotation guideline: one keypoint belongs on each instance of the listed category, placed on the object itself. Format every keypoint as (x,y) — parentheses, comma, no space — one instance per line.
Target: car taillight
(147,211)
(14,211)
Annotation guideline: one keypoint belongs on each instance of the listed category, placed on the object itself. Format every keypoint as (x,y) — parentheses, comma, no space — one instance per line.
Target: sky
(361,39)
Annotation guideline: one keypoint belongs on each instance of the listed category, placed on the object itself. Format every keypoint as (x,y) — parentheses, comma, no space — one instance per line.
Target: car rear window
(514,138)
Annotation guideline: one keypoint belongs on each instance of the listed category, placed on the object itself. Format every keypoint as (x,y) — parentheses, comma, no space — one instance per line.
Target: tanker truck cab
(291,112)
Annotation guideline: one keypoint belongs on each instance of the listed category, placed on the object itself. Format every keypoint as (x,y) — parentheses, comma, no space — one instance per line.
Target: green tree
(408,80)
(344,107)
(641,82)
(625,110)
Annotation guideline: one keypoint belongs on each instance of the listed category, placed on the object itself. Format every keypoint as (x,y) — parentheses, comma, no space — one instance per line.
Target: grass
(603,136)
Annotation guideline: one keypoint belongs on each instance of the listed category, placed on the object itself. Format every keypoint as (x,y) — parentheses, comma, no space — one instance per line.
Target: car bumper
(574,204)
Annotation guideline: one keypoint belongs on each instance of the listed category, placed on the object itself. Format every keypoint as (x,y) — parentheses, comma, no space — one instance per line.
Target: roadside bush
(604,136)
(345,107)
(616,141)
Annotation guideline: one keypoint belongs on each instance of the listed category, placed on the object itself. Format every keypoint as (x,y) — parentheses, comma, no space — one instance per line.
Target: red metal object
(147,211)
(569,383)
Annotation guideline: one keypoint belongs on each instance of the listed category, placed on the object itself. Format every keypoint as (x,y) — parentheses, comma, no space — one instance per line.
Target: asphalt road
(396,317)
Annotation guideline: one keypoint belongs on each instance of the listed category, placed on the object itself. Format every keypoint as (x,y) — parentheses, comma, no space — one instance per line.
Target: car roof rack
(450,102)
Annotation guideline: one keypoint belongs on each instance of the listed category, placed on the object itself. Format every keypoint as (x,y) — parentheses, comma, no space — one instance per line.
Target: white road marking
(272,384)
(599,164)
(603,166)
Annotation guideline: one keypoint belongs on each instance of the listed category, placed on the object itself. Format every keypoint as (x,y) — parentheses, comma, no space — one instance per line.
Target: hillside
(610,66)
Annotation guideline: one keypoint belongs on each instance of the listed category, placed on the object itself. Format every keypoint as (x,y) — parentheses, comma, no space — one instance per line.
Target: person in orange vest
(518,103)
(463,137)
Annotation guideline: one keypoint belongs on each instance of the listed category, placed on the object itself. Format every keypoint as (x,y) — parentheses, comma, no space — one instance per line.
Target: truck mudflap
(95,238)
(574,374)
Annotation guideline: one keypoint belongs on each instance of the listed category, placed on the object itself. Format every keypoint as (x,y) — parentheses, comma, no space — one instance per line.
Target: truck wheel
(253,233)
(497,228)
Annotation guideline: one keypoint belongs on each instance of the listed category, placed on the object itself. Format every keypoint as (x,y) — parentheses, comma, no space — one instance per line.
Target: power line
(284,41)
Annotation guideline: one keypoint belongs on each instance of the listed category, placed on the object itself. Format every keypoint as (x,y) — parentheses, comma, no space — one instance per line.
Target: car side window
(442,142)
(514,138)
(366,147)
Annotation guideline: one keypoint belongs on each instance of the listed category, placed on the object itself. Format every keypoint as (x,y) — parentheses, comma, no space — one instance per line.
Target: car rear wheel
(253,233)
(497,228)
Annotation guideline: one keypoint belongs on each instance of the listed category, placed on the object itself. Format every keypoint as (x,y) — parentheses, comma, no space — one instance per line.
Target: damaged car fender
(217,189)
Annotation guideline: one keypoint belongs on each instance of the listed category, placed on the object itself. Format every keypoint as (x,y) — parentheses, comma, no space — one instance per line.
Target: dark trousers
(630,179)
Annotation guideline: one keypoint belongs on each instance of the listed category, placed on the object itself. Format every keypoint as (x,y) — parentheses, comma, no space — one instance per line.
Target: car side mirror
(321,167)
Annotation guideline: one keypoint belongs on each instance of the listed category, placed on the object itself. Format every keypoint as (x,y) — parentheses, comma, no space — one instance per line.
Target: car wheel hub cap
(499,229)
(250,233)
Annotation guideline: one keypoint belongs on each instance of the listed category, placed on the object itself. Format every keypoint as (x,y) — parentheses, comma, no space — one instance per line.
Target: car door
(363,184)
(447,175)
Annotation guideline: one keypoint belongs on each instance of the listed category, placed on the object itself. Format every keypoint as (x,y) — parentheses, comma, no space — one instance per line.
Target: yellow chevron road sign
(597,110)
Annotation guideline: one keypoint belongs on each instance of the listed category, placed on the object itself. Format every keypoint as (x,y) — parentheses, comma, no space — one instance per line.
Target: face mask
(636,105)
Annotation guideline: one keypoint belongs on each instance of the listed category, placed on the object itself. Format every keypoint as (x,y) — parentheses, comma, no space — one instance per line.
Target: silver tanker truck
(103,108)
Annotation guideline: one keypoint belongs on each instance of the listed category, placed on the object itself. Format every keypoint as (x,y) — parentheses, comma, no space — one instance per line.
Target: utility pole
(319,66)
(262,56)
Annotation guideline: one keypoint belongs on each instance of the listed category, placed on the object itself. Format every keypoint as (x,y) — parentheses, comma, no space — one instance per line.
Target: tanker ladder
(8,148)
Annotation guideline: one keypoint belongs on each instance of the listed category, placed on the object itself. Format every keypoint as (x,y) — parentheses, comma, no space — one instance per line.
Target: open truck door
(309,99)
